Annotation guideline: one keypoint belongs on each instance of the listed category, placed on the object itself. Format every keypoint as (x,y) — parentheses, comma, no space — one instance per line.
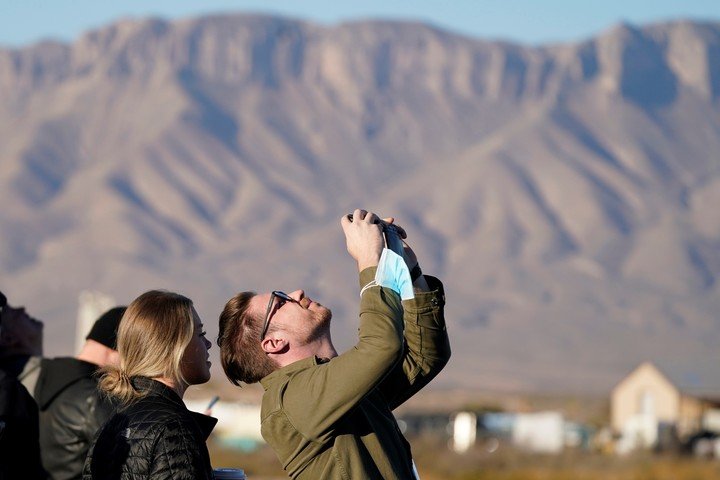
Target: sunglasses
(283,297)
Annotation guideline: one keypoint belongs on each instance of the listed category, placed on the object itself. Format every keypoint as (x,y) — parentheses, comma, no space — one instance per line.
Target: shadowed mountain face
(567,195)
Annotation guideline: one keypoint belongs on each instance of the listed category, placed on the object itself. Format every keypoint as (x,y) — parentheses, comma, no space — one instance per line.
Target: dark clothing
(72,410)
(19,448)
(13,365)
(25,368)
(333,419)
(155,437)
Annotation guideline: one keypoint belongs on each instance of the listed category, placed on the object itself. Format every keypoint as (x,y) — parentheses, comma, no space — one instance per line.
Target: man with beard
(328,415)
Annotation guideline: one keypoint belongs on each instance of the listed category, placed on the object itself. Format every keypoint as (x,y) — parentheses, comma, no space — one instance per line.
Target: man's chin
(320,311)
(322,322)
(326,315)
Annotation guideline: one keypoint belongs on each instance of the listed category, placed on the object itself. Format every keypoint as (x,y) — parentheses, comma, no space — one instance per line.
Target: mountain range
(568,195)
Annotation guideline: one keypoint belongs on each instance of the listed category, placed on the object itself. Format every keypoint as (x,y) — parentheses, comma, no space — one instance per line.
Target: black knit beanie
(104,330)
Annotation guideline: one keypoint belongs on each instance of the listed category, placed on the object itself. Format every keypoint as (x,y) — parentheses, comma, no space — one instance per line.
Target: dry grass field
(435,462)
(569,466)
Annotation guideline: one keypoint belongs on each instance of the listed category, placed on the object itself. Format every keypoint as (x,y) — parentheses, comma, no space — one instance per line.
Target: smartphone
(391,234)
(392,239)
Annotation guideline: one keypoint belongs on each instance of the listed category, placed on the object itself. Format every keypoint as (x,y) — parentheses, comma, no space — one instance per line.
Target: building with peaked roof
(648,402)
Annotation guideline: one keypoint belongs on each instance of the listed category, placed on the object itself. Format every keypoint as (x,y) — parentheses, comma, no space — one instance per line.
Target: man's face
(20,333)
(302,320)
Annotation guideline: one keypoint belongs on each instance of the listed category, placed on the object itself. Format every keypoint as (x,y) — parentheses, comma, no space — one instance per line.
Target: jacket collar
(153,387)
(287,370)
(206,423)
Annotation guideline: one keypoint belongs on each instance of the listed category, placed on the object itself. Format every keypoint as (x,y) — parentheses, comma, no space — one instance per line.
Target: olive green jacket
(332,419)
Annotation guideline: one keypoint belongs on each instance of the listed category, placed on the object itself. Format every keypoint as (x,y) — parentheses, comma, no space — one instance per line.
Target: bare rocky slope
(568,194)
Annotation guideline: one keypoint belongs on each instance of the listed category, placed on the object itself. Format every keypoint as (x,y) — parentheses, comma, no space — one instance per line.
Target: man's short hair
(241,355)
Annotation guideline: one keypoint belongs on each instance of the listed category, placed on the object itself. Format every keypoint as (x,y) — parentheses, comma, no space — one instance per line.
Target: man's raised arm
(426,344)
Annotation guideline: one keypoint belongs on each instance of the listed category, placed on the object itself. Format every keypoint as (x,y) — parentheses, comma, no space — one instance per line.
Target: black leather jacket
(155,437)
(71,412)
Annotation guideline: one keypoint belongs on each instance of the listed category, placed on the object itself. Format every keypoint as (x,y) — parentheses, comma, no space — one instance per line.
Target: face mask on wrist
(393,273)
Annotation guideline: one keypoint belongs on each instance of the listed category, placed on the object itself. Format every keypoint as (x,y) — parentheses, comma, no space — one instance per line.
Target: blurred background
(555,163)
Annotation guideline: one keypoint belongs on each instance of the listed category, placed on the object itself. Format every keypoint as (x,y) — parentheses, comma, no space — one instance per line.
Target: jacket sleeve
(426,348)
(314,399)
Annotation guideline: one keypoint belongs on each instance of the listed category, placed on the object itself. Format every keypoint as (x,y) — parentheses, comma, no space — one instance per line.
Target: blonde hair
(152,337)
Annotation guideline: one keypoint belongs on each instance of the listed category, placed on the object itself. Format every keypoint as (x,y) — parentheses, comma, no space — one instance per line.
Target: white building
(647,402)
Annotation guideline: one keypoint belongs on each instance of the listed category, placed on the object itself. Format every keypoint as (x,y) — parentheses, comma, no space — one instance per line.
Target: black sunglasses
(281,295)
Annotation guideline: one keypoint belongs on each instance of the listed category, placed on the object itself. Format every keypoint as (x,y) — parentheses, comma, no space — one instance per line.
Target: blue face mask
(393,273)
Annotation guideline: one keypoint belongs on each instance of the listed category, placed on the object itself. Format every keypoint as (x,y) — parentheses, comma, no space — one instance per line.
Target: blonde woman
(152,435)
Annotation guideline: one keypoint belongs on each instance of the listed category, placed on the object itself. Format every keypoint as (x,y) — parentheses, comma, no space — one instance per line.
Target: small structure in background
(578,435)
(541,432)
(650,409)
(430,424)
(538,432)
(464,428)
(91,305)
(498,425)
(238,424)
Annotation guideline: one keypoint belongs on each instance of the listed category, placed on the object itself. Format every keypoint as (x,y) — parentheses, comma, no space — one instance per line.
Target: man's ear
(274,345)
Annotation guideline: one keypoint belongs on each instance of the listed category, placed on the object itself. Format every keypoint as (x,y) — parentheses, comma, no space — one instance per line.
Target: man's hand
(364,239)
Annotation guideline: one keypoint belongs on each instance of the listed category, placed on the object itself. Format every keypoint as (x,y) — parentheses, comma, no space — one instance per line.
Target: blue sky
(528,21)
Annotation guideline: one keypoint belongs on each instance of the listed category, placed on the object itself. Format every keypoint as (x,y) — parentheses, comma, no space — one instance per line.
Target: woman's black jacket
(155,437)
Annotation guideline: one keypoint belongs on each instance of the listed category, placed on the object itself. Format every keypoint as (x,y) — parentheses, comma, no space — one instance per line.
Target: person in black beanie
(19,448)
(71,407)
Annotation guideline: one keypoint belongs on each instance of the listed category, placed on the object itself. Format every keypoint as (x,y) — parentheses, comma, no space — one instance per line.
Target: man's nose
(298,295)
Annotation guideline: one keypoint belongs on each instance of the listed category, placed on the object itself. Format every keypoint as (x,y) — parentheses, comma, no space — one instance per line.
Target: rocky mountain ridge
(565,193)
